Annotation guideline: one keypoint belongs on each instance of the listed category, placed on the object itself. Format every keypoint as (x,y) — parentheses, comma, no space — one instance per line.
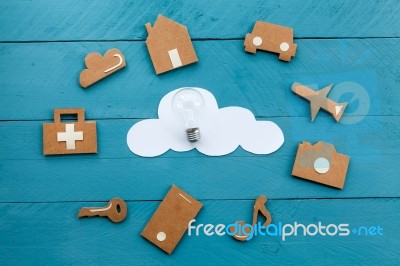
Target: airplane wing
(315,106)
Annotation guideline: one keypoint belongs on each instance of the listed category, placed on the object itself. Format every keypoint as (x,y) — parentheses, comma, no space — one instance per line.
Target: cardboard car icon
(272,38)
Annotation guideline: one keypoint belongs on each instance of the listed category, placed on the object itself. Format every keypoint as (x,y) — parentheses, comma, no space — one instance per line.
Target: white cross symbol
(70,136)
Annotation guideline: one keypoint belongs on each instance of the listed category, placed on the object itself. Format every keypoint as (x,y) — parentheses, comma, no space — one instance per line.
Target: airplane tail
(339,110)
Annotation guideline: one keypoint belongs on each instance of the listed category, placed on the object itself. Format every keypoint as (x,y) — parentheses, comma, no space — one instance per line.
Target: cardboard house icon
(169,45)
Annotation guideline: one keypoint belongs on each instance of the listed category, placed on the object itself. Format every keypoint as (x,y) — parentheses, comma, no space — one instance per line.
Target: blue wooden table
(353,44)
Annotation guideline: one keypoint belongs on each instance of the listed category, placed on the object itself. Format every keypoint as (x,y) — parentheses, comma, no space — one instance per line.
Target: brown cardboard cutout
(169,45)
(99,67)
(170,221)
(318,100)
(259,206)
(272,38)
(115,210)
(321,163)
(69,137)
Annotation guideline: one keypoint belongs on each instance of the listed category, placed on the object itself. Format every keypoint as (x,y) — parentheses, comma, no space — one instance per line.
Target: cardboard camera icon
(321,163)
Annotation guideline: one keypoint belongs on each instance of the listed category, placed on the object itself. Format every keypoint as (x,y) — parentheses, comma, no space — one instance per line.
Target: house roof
(164,26)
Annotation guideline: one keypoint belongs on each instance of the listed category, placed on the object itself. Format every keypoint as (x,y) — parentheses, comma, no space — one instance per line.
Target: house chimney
(148,28)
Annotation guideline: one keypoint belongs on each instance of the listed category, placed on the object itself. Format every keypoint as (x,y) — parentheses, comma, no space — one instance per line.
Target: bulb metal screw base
(193,134)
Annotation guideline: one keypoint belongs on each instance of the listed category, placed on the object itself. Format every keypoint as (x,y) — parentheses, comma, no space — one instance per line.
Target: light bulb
(188,107)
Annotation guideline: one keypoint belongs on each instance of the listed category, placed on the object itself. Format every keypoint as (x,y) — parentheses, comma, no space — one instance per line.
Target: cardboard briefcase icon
(69,137)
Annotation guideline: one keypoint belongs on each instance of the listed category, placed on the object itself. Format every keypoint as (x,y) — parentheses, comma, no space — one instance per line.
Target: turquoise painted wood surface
(53,236)
(42,47)
(259,82)
(44,20)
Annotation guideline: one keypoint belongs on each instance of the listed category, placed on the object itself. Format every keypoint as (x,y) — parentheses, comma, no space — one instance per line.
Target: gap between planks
(142,118)
(269,199)
(193,39)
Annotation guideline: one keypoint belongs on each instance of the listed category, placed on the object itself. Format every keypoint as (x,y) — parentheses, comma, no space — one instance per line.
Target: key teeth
(83,213)
(86,212)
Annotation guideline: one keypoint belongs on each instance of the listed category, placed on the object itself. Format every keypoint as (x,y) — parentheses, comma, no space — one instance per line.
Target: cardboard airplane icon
(318,100)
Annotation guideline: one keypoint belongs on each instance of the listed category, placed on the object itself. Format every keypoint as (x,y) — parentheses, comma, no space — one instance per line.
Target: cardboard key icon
(115,211)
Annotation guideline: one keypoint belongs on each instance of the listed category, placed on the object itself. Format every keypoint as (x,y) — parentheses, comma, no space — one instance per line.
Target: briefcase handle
(69,111)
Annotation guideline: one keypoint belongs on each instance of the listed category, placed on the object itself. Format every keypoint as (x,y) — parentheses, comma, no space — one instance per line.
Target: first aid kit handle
(69,111)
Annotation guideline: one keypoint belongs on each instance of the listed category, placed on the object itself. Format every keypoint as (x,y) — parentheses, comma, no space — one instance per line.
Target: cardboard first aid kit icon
(69,137)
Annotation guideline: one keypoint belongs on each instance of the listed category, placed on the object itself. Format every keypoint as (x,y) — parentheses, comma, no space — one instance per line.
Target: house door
(175,58)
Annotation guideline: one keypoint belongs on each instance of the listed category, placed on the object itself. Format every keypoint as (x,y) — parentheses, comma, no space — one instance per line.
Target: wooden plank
(124,20)
(372,145)
(50,234)
(374,135)
(88,179)
(41,76)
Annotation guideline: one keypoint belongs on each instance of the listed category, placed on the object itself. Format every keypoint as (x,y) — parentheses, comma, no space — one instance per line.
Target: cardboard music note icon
(242,231)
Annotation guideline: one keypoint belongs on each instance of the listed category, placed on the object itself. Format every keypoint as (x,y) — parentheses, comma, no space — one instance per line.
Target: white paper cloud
(222,131)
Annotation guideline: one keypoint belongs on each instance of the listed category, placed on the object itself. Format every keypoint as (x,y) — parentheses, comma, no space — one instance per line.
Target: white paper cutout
(321,165)
(338,109)
(70,136)
(117,65)
(175,58)
(222,131)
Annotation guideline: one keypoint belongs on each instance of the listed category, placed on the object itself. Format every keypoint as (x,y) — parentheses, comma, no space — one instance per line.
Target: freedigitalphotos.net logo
(282,230)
